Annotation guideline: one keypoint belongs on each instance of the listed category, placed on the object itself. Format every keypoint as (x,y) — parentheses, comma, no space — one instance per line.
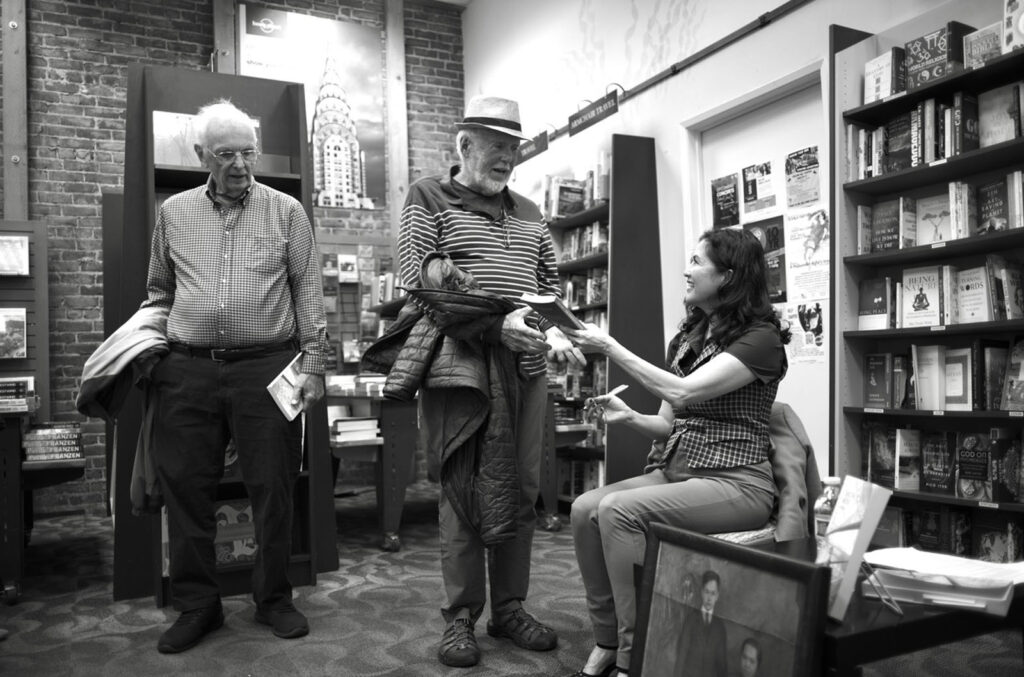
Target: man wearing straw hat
(500,238)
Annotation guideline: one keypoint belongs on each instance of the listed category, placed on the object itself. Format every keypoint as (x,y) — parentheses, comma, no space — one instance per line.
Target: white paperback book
(281,389)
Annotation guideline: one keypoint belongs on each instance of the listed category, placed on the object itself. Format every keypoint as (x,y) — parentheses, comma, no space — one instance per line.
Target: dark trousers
(466,564)
(202,405)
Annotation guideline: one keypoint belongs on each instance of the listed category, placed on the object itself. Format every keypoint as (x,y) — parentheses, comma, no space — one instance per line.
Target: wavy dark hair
(743,298)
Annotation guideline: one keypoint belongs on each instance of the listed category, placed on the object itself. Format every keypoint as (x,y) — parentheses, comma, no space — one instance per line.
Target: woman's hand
(609,407)
(593,339)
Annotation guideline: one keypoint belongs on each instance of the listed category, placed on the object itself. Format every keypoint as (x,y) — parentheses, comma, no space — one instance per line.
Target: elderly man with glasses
(235,265)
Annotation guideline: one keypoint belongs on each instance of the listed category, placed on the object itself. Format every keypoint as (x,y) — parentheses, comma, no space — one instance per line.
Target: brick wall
(78,53)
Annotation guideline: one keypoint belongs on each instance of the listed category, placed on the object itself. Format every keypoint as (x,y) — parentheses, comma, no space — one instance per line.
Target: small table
(871,632)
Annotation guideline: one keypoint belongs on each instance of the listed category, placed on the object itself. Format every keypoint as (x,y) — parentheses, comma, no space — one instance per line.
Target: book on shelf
(982,45)
(907,464)
(938,462)
(990,362)
(1013,26)
(351,436)
(882,455)
(993,206)
(999,114)
(973,463)
(1005,467)
(551,308)
(933,219)
(900,378)
(923,291)
(929,365)
(964,133)
(898,152)
(878,380)
(885,225)
(885,75)
(890,532)
(929,131)
(854,519)
(996,537)
(974,296)
(863,229)
(1015,198)
(281,388)
(996,266)
(963,209)
(874,305)
(1012,398)
(935,54)
(567,196)
(352,423)
(958,378)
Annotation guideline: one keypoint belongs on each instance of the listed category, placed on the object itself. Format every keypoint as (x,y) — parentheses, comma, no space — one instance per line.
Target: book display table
(871,632)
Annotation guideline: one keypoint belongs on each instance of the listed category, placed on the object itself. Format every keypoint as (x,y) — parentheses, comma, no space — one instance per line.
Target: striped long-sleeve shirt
(501,240)
(238,275)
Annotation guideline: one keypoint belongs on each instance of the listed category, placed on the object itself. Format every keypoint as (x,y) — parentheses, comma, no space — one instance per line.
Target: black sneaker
(287,621)
(525,630)
(458,645)
(191,626)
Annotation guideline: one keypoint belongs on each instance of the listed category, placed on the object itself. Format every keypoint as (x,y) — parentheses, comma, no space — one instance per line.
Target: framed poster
(710,607)
(340,65)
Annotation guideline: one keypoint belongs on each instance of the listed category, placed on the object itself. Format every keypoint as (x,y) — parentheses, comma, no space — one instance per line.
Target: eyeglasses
(248,155)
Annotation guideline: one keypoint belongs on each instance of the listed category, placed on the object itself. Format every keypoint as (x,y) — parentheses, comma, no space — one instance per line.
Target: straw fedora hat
(493,112)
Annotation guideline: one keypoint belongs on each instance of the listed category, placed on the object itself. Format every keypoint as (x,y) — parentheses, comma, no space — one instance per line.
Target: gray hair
(221,109)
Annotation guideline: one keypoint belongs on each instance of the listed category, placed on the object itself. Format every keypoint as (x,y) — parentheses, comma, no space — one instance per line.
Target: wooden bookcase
(850,345)
(284,165)
(633,296)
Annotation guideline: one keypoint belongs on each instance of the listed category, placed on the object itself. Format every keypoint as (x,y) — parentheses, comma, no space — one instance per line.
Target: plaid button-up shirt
(238,275)
(726,431)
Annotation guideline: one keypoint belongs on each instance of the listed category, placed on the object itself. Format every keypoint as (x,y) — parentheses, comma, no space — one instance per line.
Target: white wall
(553,56)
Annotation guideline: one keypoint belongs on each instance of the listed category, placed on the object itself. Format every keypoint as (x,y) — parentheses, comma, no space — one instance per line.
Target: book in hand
(551,308)
(282,386)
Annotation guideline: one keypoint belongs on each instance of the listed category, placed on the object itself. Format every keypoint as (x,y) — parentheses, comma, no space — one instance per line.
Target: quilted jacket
(442,345)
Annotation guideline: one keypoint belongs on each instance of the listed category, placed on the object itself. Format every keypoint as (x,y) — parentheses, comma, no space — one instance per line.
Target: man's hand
(562,349)
(519,337)
(309,388)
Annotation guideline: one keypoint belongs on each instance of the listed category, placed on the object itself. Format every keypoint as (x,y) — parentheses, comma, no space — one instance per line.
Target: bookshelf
(851,345)
(632,303)
(285,166)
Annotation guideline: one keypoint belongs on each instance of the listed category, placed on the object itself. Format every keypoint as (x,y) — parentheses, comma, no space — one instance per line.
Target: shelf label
(936,163)
(938,245)
(1015,414)
(895,96)
(986,504)
(871,410)
(937,327)
(938,412)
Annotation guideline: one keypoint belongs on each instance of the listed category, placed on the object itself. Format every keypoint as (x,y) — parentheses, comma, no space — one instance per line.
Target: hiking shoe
(287,621)
(191,626)
(458,645)
(525,630)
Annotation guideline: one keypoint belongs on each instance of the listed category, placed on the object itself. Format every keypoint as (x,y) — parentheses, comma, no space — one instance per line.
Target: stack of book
(355,431)
(53,445)
(17,394)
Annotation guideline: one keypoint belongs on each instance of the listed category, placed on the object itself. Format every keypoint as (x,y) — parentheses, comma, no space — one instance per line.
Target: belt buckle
(216,351)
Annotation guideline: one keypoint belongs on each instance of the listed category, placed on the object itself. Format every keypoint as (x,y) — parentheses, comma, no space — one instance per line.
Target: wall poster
(340,64)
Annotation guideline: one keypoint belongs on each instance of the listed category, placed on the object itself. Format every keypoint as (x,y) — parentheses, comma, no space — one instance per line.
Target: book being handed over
(283,385)
(551,308)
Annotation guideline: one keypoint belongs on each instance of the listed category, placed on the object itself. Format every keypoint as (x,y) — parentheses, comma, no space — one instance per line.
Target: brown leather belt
(234,354)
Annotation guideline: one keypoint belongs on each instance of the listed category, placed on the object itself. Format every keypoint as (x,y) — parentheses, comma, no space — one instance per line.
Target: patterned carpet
(377,615)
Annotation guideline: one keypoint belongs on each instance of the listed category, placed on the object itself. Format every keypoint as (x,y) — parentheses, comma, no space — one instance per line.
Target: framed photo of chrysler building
(340,64)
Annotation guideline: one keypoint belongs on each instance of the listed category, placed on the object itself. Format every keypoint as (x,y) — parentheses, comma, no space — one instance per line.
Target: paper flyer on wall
(807,322)
(771,234)
(807,254)
(725,201)
(803,178)
(759,191)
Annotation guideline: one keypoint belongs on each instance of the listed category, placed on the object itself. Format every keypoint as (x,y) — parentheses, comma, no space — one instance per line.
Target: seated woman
(709,470)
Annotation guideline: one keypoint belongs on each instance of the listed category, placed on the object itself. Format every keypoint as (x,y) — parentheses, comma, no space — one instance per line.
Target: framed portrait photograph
(708,607)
